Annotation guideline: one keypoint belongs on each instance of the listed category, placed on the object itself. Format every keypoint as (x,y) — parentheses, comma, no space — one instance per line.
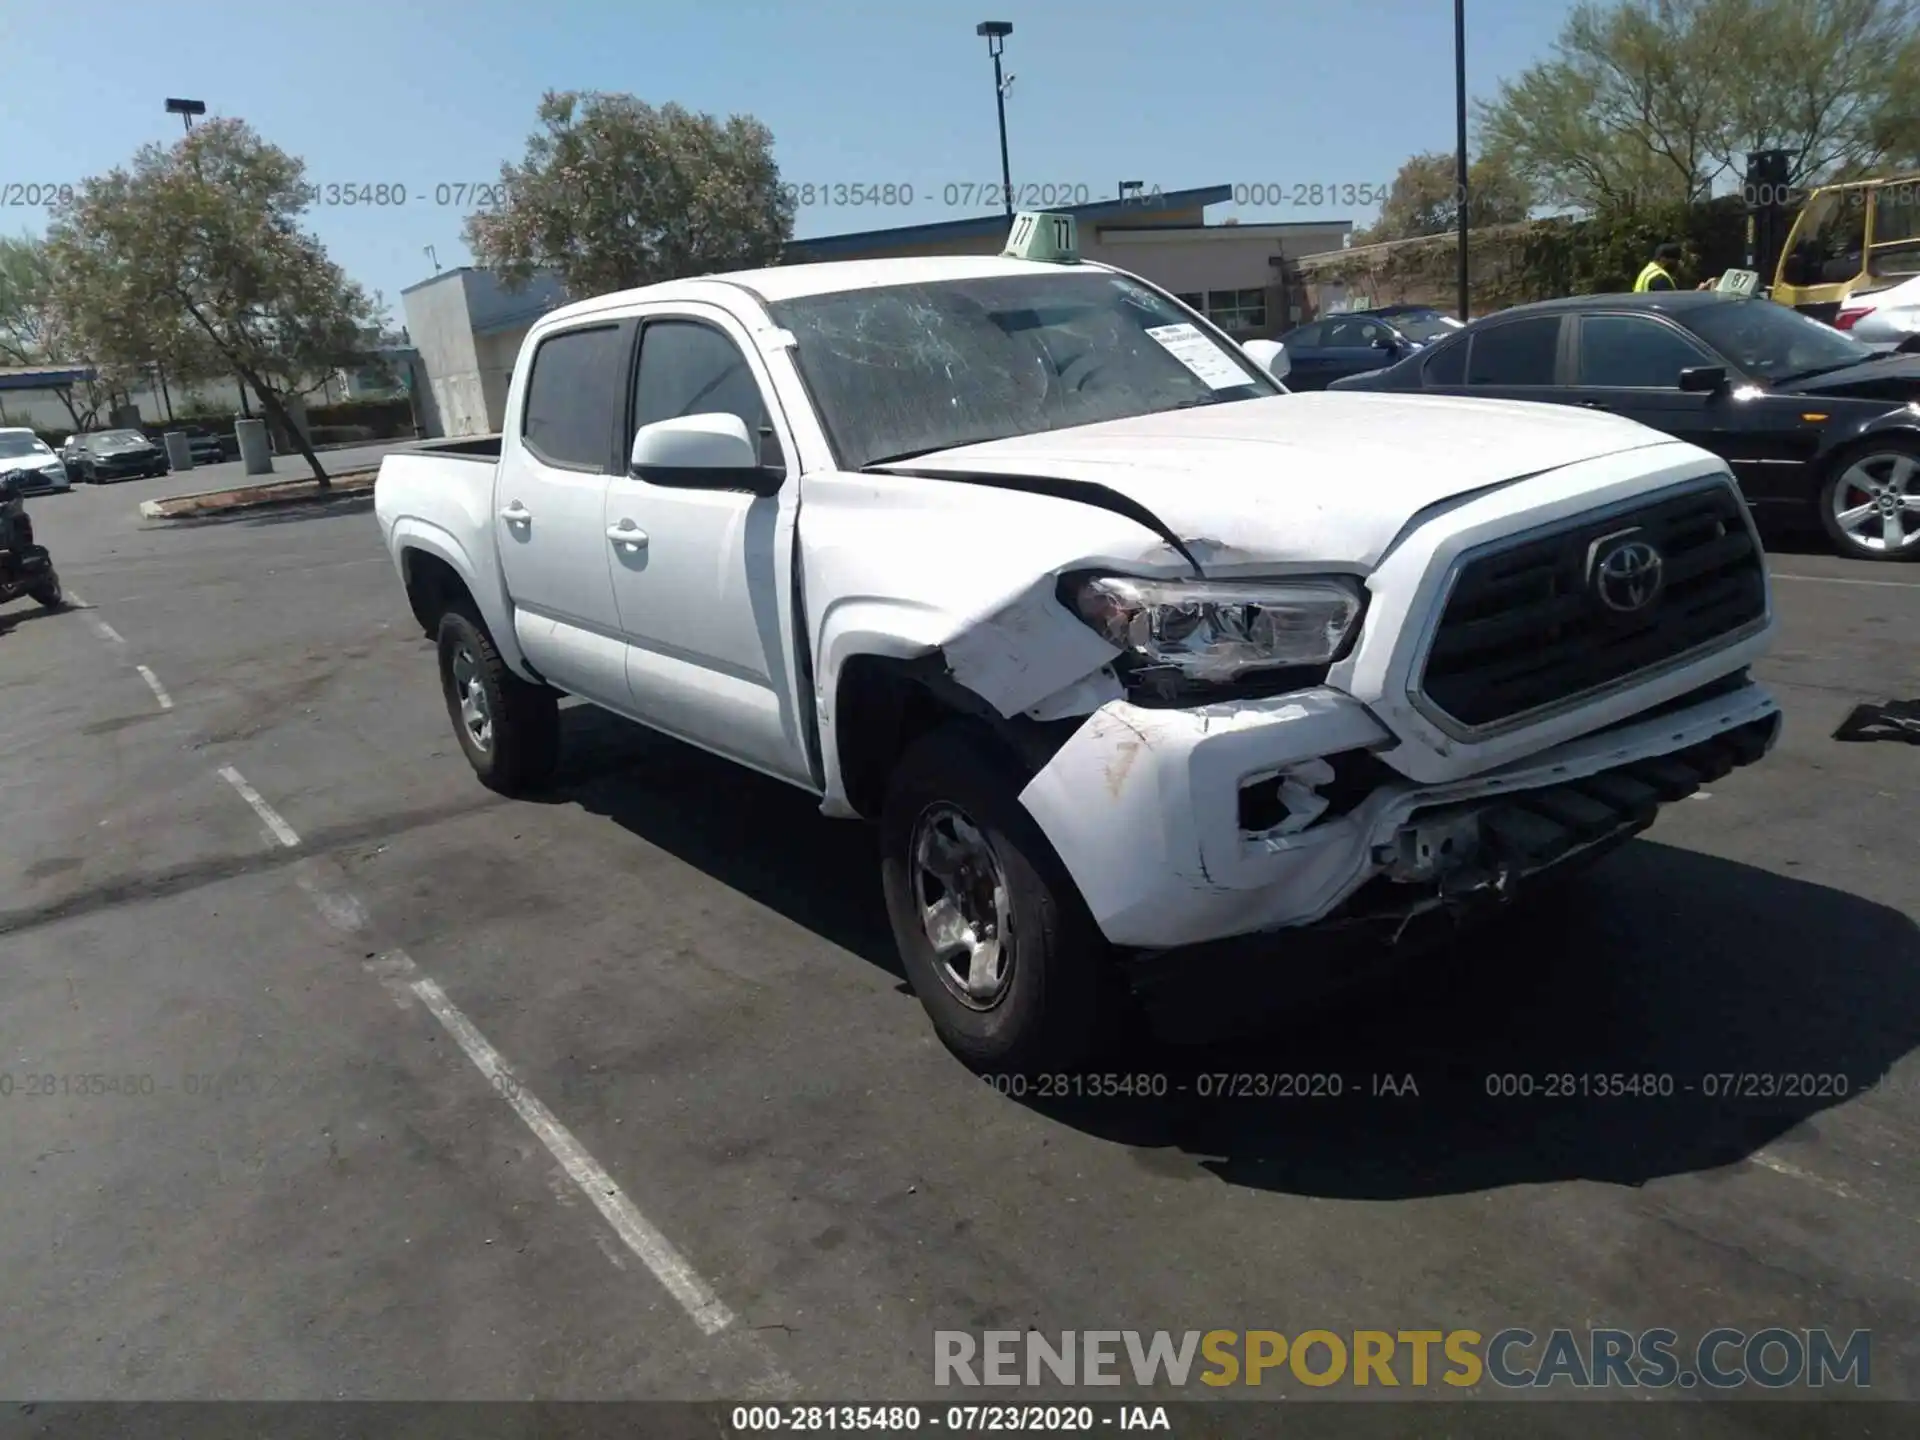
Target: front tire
(997,943)
(508,728)
(49,595)
(1870,503)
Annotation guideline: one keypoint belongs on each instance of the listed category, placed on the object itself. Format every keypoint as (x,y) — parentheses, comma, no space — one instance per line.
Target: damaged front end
(1455,861)
(1446,870)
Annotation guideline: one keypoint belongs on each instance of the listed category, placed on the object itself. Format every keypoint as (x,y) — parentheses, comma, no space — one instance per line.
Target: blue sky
(1244,92)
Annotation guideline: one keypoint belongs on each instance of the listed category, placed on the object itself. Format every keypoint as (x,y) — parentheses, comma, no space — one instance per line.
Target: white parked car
(1122,646)
(1885,319)
(31,462)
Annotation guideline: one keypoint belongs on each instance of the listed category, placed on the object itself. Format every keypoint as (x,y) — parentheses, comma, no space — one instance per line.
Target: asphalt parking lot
(245,873)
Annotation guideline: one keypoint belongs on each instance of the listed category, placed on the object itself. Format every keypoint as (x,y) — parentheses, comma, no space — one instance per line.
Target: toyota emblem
(1626,574)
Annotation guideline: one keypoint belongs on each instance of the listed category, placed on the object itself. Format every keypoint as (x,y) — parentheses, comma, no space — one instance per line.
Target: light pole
(186,110)
(1460,139)
(996,32)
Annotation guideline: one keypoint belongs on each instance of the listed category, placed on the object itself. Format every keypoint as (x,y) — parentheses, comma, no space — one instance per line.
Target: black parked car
(1811,421)
(205,446)
(1357,341)
(101,455)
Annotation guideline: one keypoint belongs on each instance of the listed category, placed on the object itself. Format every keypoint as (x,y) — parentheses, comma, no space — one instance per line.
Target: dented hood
(1328,476)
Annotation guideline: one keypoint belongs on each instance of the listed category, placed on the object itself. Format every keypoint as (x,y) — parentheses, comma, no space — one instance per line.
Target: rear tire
(1025,981)
(508,728)
(1876,484)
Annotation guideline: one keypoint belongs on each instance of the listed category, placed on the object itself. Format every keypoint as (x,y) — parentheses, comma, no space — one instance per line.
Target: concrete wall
(467,363)
(1218,257)
(497,351)
(441,330)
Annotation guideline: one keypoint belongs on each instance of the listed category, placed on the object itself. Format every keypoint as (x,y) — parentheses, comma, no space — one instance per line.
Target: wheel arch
(435,568)
(883,703)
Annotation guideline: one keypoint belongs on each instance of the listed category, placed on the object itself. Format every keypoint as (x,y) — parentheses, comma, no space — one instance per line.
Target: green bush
(383,419)
(1544,259)
(341,434)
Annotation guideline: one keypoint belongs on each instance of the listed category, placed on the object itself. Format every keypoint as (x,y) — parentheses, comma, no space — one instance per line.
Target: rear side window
(1521,352)
(1448,366)
(574,397)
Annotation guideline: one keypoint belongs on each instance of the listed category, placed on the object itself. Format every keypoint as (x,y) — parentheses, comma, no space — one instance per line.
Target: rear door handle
(627,533)
(1593,405)
(516,514)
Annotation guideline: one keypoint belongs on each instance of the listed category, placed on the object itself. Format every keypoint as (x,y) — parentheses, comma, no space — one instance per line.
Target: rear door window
(574,399)
(1446,366)
(1519,352)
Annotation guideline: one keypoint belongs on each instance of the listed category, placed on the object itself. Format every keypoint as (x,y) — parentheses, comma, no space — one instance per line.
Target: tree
(33,332)
(195,258)
(1423,200)
(614,194)
(1652,101)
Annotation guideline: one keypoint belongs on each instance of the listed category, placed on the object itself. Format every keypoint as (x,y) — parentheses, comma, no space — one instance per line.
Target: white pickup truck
(1123,646)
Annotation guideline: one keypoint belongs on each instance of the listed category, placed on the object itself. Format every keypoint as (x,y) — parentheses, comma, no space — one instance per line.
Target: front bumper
(1145,807)
(38,482)
(130,469)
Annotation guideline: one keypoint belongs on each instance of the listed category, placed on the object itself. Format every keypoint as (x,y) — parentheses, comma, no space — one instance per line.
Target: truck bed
(476,447)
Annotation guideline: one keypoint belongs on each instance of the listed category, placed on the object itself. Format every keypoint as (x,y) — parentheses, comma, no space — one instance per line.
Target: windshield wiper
(906,455)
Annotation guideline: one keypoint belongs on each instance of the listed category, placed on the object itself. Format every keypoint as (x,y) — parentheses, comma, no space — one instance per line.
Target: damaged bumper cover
(1187,826)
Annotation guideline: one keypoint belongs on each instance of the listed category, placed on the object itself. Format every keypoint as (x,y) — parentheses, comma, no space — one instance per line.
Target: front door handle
(1593,405)
(516,514)
(627,533)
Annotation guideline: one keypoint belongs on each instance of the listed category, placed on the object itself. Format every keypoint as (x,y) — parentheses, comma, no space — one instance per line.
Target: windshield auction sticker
(1200,355)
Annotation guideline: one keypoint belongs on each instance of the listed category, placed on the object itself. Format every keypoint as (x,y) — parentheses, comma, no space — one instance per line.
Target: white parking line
(282,831)
(1768,1161)
(107,632)
(1848,580)
(396,970)
(153,684)
(656,1252)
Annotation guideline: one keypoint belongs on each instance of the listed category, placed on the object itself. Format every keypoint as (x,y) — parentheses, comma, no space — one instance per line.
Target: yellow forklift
(1824,245)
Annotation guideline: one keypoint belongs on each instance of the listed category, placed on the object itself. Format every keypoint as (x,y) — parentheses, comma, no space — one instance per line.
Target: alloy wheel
(960,889)
(1876,503)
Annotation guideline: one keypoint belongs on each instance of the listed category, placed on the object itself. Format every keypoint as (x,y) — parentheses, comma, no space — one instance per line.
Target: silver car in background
(1885,319)
(31,461)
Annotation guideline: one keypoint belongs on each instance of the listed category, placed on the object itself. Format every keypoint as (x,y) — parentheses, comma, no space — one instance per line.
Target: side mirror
(709,452)
(1703,379)
(1270,356)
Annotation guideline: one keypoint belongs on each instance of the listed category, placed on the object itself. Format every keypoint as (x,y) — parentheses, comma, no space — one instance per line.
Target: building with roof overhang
(467,326)
(1236,274)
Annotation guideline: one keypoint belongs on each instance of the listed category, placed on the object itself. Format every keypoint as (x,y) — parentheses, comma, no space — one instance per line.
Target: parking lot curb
(354,485)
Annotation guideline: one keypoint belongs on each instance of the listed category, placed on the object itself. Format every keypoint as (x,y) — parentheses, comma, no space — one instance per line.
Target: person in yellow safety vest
(1656,275)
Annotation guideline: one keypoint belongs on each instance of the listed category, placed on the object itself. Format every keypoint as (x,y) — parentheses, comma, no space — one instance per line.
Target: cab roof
(825,277)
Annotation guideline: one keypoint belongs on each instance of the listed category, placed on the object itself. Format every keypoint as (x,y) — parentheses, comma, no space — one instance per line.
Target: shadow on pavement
(18,611)
(754,834)
(1495,1059)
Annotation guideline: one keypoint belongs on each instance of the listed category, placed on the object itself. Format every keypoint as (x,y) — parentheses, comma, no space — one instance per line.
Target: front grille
(1524,631)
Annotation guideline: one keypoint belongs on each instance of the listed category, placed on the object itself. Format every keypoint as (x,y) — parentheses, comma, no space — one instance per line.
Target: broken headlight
(1218,631)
